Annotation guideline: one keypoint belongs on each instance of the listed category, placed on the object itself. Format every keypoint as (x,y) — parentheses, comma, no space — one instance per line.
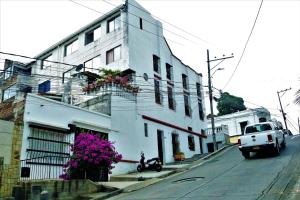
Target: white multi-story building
(166,116)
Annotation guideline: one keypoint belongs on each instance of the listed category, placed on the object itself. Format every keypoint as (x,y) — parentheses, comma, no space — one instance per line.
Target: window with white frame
(93,65)
(114,24)
(9,92)
(93,35)
(45,62)
(113,55)
(71,47)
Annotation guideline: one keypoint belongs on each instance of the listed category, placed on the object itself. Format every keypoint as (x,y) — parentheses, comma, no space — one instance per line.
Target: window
(201,113)
(114,24)
(93,35)
(191,142)
(45,63)
(71,48)
(9,92)
(169,70)
(171,99)
(187,107)
(141,23)
(93,65)
(185,82)
(258,128)
(47,146)
(156,64)
(8,72)
(198,87)
(44,87)
(113,55)
(157,92)
(146,129)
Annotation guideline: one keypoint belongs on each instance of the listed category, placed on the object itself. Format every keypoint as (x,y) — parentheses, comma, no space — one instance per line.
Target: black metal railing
(44,167)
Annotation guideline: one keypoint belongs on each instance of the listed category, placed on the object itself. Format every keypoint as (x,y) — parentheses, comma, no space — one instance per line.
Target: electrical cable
(236,67)
(127,23)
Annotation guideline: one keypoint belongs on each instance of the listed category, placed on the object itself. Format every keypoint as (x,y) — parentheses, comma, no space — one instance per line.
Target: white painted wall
(138,47)
(233,120)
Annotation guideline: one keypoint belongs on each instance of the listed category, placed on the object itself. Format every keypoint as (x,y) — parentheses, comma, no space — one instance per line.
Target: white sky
(271,61)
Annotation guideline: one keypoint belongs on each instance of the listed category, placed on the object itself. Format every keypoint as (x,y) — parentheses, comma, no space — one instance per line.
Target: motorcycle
(152,164)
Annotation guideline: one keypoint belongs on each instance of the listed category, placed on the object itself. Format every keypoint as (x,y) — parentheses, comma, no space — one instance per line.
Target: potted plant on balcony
(92,158)
(179,156)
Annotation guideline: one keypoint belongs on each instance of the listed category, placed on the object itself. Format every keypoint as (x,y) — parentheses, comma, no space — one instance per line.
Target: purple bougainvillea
(90,153)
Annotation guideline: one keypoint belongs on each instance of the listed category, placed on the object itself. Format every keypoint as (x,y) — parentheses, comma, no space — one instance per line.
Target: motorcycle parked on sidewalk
(152,164)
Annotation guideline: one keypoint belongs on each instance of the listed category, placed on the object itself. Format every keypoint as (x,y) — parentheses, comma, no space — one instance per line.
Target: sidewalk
(135,181)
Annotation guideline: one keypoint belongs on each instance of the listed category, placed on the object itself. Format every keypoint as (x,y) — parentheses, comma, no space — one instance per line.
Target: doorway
(175,144)
(160,145)
(243,126)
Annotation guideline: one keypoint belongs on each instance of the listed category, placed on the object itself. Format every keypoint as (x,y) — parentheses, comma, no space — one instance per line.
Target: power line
(126,23)
(152,23)
(181,29)
(236,67)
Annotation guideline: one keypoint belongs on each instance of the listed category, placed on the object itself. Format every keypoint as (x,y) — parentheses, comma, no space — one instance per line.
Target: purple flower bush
(90,155)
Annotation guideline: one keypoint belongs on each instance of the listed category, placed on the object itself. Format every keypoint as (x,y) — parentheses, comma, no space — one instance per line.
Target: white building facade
(165,117)
(236,122)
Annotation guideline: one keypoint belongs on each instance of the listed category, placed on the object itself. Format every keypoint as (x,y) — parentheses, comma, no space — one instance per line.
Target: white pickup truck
(266,136)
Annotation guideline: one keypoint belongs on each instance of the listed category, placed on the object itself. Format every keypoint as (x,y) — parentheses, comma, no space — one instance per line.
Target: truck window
(258,128)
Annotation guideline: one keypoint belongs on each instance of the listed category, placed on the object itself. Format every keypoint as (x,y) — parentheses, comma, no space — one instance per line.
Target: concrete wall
(6,130)
(46,112)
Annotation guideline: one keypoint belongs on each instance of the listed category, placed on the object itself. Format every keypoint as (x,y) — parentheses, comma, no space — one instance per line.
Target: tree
(228,104)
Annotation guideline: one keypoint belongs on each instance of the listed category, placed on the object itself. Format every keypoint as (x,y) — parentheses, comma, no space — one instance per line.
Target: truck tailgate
(256,139)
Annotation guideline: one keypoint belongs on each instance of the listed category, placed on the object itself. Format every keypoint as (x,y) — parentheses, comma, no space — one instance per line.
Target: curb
(152,181)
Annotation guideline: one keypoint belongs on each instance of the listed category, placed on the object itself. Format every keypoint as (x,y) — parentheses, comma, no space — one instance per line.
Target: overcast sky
(270,63)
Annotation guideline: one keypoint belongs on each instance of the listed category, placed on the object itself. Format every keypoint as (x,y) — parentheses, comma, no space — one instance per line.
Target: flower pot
(179,157)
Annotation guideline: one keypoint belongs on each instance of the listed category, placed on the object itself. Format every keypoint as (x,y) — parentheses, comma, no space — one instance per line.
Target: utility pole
(282,111)
(211,96)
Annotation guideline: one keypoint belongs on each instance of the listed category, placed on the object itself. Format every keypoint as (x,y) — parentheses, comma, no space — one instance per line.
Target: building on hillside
(222,137)
(161,113)
(236,122)
(165,116)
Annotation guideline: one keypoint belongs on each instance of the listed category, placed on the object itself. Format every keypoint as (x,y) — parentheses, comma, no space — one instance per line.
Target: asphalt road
(228,176)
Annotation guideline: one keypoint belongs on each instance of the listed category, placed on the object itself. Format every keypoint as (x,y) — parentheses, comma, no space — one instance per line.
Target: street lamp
(219,69)
(210,93)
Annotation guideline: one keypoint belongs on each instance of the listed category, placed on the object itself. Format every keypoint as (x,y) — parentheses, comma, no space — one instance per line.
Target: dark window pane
(157,92)
(156,63)
(198,90)
(170,98)
(169,71)
(184,81)
(89,37)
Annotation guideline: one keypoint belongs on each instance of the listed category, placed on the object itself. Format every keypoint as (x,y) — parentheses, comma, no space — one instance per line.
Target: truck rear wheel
(276,149)
(246,154)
